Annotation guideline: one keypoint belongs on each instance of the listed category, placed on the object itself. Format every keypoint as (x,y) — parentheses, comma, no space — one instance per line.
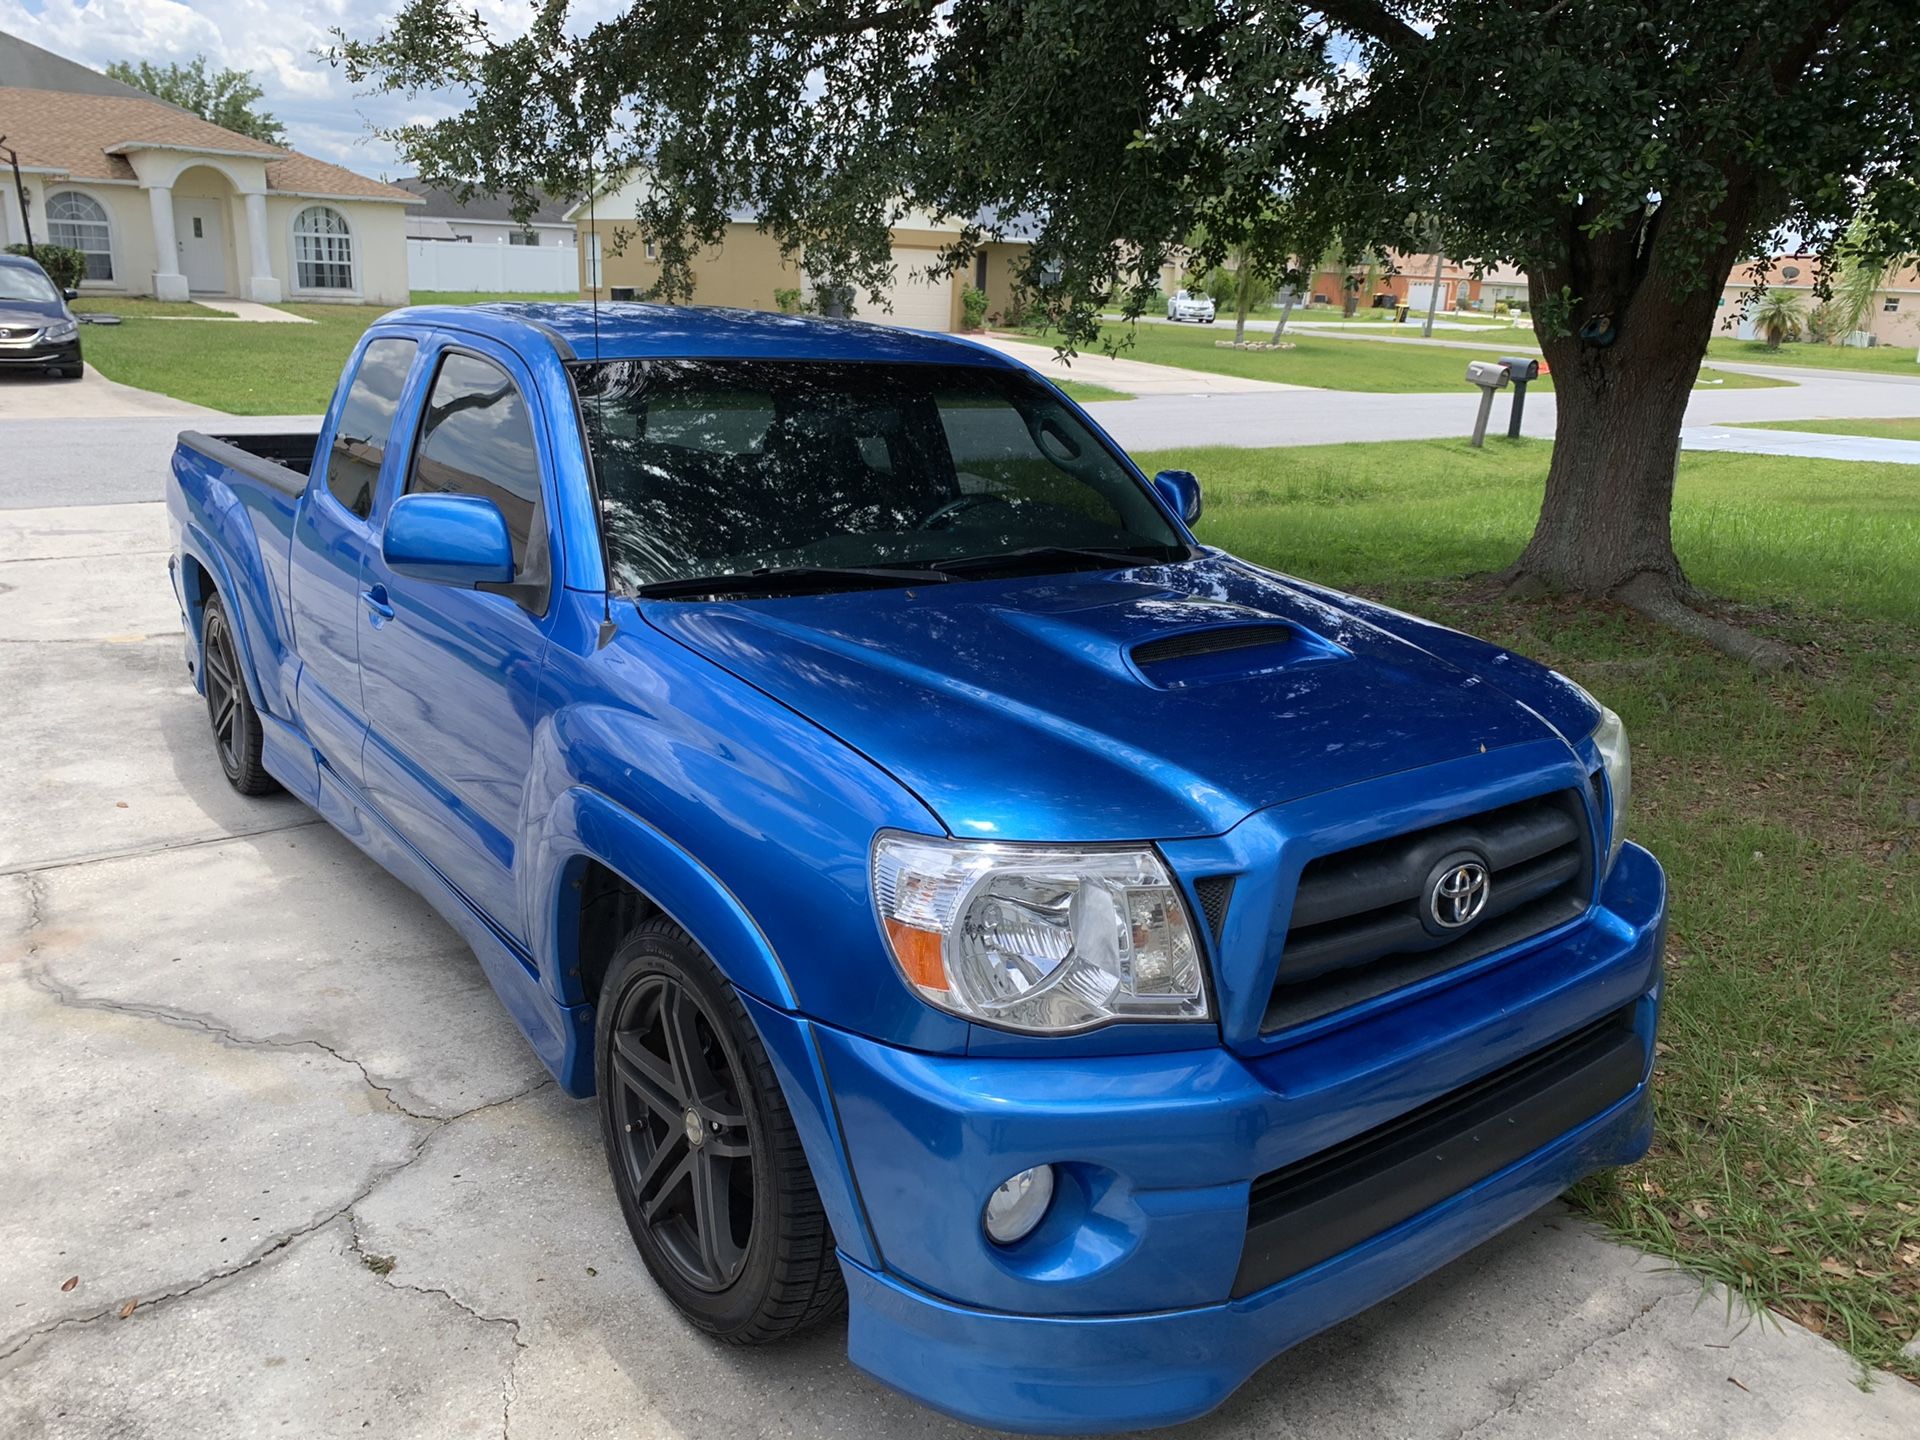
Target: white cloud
(276,40)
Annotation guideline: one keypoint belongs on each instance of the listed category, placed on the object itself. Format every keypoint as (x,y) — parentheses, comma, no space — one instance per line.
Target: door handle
(376,601)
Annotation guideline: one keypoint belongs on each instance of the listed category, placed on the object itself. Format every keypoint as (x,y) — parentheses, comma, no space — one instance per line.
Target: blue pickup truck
(1096,962)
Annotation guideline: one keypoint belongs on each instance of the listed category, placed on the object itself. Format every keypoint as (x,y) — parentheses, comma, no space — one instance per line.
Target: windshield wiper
(1041,555)
(791,579)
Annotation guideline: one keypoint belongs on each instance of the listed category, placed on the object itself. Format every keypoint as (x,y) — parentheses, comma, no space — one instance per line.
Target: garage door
(1419,295)
(918,303)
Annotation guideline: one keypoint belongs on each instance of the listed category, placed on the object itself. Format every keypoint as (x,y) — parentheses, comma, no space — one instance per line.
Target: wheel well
(609,909)
(196,585)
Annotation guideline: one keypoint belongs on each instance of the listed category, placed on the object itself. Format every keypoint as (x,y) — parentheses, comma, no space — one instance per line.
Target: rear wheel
(236,724)
(703,1151)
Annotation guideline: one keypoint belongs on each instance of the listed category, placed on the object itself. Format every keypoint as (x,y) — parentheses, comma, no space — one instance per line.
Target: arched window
(322,249)
(79,222)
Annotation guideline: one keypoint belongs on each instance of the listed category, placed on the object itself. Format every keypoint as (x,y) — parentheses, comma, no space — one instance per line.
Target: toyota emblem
(1458,894)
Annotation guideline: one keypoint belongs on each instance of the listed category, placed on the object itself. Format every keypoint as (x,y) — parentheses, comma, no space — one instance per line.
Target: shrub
(1222,287)
(1500,307)
(66,268)
(788,301)
(973,307)
(1017,312)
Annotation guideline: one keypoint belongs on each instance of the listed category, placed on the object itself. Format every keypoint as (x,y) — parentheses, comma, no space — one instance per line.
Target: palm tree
(1780,315)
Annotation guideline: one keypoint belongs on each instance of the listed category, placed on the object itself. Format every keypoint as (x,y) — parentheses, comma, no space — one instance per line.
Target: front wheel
(704,1154)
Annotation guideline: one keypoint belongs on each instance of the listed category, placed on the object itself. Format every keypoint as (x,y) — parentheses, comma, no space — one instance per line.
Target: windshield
(19,283)
(723,467)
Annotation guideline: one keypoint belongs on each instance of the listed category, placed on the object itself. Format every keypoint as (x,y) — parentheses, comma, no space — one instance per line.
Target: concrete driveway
(277,1163)
(37,396)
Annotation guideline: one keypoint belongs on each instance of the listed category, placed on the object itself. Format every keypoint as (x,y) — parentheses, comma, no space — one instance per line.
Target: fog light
(1018,1204)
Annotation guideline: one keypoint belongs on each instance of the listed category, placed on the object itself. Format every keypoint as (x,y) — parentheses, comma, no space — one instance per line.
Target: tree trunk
(1606,522)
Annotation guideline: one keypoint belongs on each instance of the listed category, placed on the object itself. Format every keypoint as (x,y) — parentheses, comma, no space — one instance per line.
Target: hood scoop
(1228,652)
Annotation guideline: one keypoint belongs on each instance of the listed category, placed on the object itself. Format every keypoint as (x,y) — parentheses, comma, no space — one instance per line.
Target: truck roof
(627,330)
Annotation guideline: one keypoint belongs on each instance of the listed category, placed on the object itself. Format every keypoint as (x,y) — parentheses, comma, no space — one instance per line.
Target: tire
(70,372)
(728,1224)
(230,712)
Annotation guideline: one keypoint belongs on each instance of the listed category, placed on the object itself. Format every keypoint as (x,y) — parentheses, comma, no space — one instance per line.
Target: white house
(163,203)
(482,219)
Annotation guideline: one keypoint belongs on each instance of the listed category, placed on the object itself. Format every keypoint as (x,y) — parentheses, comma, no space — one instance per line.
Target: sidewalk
(1810,445)
(1135,377)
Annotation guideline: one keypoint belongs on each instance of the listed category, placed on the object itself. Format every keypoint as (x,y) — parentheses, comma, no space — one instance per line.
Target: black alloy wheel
(236,724)
(687,1148)
(702,1148)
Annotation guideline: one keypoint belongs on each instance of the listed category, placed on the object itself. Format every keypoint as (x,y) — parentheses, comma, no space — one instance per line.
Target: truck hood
(1163,702)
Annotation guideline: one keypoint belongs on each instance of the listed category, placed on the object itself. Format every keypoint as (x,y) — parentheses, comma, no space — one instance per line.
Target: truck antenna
(597,256)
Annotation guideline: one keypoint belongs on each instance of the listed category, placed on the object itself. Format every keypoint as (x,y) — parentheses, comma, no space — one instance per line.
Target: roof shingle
(73,133)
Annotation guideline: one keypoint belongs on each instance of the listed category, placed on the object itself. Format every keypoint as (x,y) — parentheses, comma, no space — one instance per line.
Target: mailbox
(1488,374)
(1521,368)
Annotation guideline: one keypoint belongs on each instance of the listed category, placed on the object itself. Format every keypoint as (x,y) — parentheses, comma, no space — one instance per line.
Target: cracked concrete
(258,1088)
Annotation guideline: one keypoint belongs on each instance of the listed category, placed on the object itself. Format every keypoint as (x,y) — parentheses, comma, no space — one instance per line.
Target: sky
(272,38)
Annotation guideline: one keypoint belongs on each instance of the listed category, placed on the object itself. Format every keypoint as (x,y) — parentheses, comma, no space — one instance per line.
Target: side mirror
(1181,490)
(449,539)
(71,293)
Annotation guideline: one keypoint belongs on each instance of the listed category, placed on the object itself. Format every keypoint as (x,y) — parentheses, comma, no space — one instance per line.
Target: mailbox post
(1489,375)
(1520,369)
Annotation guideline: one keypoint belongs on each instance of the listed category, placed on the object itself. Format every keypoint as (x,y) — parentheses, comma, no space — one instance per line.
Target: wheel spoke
(730,1144)
(666,1156)
(642,1072)
(713,1217)
(650,1207)
(697,1084)
(223,720)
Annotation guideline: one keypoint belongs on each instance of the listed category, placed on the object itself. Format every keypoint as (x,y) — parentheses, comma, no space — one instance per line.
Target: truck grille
(1361,924)
(1317,1207)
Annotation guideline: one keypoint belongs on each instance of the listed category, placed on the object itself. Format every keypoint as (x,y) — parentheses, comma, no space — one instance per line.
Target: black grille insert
(1214,892)
(1317,1207)
(1360,926)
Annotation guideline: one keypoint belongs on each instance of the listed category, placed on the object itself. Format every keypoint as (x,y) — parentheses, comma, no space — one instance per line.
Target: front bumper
(39,356)
(1128,1307)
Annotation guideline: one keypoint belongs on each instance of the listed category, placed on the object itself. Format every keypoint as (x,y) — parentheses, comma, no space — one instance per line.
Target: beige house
(1892,318)
(163,203)
(745,270)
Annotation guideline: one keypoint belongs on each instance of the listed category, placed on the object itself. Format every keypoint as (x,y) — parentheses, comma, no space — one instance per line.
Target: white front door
(203,246)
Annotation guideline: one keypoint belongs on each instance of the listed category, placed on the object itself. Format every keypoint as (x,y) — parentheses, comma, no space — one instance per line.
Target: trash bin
(1400,314)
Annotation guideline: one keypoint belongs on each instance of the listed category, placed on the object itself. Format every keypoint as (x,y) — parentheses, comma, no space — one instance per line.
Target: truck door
(451,675)
(333,535)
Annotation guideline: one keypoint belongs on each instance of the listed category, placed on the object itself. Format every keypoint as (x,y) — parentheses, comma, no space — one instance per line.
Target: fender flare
(197,546)
(585,825)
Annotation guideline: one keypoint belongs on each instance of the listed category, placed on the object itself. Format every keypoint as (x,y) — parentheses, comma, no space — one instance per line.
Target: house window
(322,249)
(79,222)
(648,250)
(523,237)
(1891,304)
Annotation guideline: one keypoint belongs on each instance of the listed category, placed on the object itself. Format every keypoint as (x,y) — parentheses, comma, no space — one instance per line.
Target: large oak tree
(1625,153)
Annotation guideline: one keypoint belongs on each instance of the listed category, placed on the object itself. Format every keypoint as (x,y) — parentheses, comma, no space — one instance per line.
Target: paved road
(277,1162)
(113,461)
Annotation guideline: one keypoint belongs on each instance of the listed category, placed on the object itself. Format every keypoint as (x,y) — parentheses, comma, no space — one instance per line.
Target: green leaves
(225,97)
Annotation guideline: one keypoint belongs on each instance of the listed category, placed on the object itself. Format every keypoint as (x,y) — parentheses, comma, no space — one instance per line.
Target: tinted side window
(477,439)
(360,439)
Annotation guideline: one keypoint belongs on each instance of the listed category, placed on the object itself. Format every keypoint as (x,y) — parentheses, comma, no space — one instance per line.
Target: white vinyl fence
(497,269)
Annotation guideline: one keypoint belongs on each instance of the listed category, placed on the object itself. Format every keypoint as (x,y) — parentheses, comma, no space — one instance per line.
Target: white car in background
(1187,306)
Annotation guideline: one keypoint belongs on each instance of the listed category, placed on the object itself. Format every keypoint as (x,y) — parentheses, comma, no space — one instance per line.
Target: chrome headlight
(1610,735)
(62,330)
(1610,738)
(1038,938)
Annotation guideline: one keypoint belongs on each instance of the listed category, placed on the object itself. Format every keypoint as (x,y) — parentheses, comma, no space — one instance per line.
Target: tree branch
(1373,20)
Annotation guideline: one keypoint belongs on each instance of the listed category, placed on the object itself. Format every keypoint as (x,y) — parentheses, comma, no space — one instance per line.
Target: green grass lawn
(245,369)
(1883,359)
(1323,361)
(1087,394)
(1786,810)
(1902,429)
(133,307)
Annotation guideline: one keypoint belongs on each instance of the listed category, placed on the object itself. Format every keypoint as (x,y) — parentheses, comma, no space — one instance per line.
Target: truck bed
(282,460)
